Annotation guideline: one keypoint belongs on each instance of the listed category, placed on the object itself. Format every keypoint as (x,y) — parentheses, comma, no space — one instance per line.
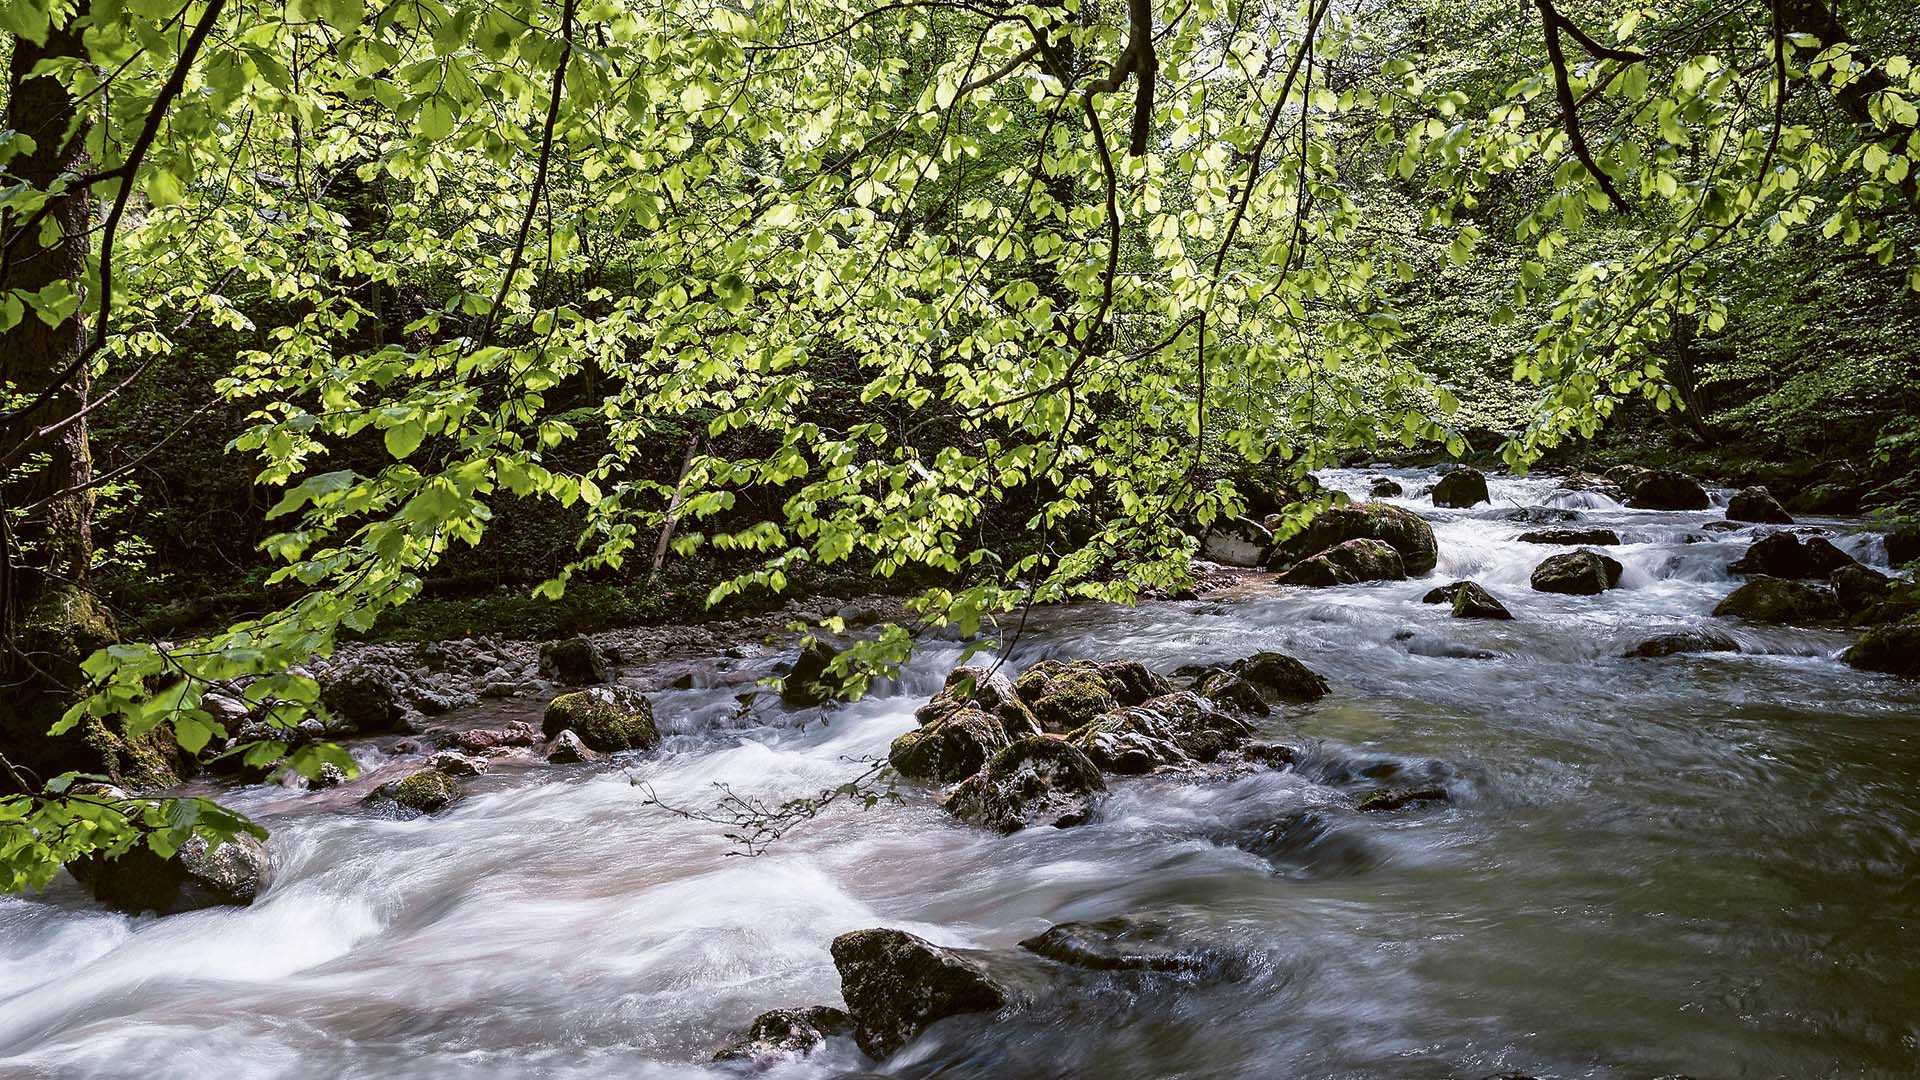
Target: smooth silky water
(1699,864)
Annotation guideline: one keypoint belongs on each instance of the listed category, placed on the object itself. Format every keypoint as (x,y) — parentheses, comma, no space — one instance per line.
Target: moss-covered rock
(428,791)
(607,718)
(1777,600)
(1281,677)
(1407,532)
(576,661)
(1382,800)
(1684,641)
(1893,649)
(1347,563)
(971,686)
(1757,504)
(1461,488)
(1576,573)
(1858,588)
(1468,600)
(1065,696)
(1230,691)
(953,747)
(1038,780)
(1175,730)
(897,985)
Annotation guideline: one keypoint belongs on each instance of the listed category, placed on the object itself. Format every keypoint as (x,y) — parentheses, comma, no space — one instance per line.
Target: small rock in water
(428,791)
(1461,488)
(567,749)
(1383,487)
(1539,515)
(1384,799)
(808,682)
(1571,537)
(1271,754)
(330,775)
(1230,691)
(1039,780)
(1778,600)
(1406,531)
(1684,641)
(1281,677)
(1577,573)
(1784,555)
(573,662)
(897,986)
(787,1033)
(457,764)
(1121,944)
(198,876)
(1469,601)
(1757,504)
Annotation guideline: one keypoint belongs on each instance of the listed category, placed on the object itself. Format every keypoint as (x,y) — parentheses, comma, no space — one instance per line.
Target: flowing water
(1699,864)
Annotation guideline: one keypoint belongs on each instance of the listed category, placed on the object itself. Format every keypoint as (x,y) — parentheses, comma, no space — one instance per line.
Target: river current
(1701,864)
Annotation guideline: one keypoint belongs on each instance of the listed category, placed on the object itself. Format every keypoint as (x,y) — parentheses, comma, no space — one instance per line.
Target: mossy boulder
(1383,800)
(1662,489)
(575,661)
(1778,600)
(1893,649)
(1038,780)
(1576,573)
(1407,532)
(1281,677)
(1757,504)
(972,687)
(428,791)
(1065,695)
(1347,563)
(200,875)
(1470,601)
(953,747)
(1230,691)
(1175,730)
(786,1033)
(607,718)
(1858,588)
(897,985)
(1461,488)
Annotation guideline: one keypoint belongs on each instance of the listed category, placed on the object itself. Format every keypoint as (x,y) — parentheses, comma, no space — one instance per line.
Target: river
(1700,864)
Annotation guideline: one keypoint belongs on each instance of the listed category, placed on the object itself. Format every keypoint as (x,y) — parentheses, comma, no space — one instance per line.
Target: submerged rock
(1119,944)
(1571,537)
(1757,504)
(951,748)
(1407,532)
(1348,563)
(1684,641)
(607,718)
(1038,780)
(1381,800)
(573,662)
(1784,555)
(897,986)
(1893,649)
(1778,600)
(787,1033)
(1469,601)
(428,791)
(1281,677)
(198,876)
(1461,488)
(1665,490)
(1174,730)
(970,686)
(1577,573)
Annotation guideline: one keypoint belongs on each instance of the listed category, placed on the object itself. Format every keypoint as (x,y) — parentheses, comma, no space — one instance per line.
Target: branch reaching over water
(753,825)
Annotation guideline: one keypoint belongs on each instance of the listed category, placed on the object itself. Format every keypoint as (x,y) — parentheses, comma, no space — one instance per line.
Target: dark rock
(1469,601)
(1122,944)
(1858,588)
(567,749)
(808,682)
(1784,555)
(1778,600)
(1384,488)
(573,662)
(198,876)
(1038,780)
(1381,800)
(1279,676)
(1757,504)
(1665,490)
(1409,534)
(366,698)
(1577,573)
(1539,515)
(1903,545)
(1571,537)
(1165,732)
(951,748)
(1064,696)
(787,1033)
(1461,488)
(428,791)
(328,776)
(1271,754)
(1230,691)
(1237,542)
(1347,563)
(1893,649)
(969,686)
(1684,641)
(607,718)
(1722,526)
(897,985)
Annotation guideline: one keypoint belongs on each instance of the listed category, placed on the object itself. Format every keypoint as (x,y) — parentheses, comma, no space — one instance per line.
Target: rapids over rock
(1496,846)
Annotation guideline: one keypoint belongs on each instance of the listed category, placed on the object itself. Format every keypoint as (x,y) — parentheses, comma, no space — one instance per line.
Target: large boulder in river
(1039,780)
(951,748)
(1778,600)
(1858,588)
(573,662)
(1784,555)
(1461,488)
(1347,563)
(1571,537)
(1662,489)
(198,876)
(1237,542)
(1576,573)
(1175,730)
(897,986)
(785,1033)
(1469,601)
(1281,677)
(808,683)
(1893,649)
(607,718)
(1757,504)
(428,791)
(1407,531)
(1065,695)
(972,687)
(365,698)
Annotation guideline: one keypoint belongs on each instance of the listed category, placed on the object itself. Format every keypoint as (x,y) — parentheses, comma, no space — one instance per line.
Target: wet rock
(1461,488)
(1539,515)
(1382,487)
(432,702)
(1281,677)
(1665,490)
(428,791)
(808,682)
(457,764)
(567,749)
(787,1033)
(1893,649)
(953,747)
(1230,691)
(1381,800)
(970,686)
(1757,504)
(1778,600)
(1858,588)
(1237,542)
(1571,537)
(1313,842)
(1903,545)
(198,876)
(1131,682)
(1038,780)
(1626,477)
(1450,650)
(607,718)
(1577,573)
(1784,555)
(328,776)
(1586,481)
(1406,531)
(897,985)
(1722,526)
(1120,944)
(481,740)
(1348,563)
(1175,730)
(1684,641)
(1271,754)
(1066,695)
(365,698)
(1469,601)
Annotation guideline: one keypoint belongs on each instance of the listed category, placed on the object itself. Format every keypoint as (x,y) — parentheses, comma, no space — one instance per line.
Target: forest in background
(348,319)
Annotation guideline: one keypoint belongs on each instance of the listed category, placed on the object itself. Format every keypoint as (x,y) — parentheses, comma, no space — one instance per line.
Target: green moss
(606,719)
(427,791)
